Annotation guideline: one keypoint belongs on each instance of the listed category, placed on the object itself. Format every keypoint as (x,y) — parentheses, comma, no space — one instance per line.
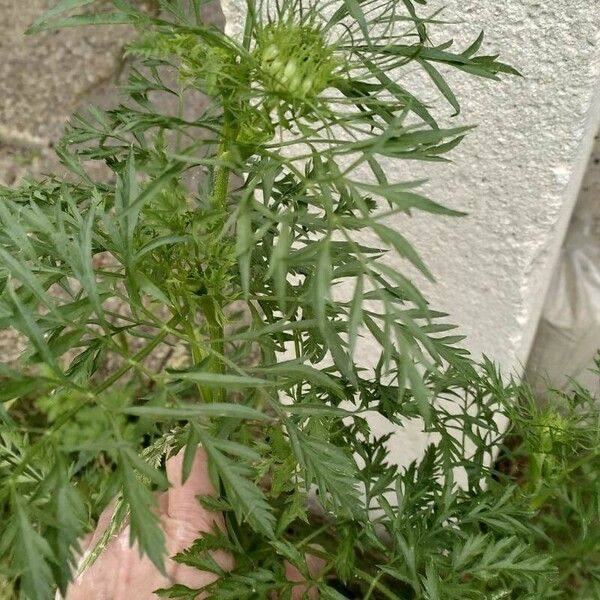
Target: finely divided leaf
(219,380)
(441,84)
(70,520)
(144,523)
(216,409)
(42,22)
(329,468)
(247,499)
(32,554)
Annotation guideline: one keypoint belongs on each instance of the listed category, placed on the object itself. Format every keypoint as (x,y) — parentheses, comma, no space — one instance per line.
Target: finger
(314,564)
(182,502)
(119,569)
(138,577)
(119,573)
(86,545)
(186,518)
(98,581)
(181,535)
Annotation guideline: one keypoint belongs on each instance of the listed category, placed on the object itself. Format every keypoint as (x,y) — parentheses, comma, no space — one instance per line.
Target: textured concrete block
(517,174)
(45,76)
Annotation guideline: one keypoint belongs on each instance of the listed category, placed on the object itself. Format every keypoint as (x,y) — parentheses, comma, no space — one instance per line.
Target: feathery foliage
(225,232)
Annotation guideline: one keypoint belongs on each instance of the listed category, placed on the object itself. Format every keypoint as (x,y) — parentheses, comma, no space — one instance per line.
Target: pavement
(45,78)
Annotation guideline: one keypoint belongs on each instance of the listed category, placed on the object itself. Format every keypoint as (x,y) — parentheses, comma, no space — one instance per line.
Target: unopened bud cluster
(294,61)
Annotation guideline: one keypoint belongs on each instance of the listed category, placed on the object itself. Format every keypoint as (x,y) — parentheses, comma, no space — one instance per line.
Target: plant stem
(222,171)
(374,582)
(218,201)
(215,333)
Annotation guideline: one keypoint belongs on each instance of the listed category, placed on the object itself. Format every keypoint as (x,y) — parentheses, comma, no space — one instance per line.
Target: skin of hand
(120,573)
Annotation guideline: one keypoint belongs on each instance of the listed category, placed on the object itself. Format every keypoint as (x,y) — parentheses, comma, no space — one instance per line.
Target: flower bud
(296,63)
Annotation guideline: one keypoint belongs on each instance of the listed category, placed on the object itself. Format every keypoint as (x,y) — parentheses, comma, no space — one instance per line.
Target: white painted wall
(517,175)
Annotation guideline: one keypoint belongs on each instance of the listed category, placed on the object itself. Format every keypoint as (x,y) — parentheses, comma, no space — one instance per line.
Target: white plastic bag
(568,337)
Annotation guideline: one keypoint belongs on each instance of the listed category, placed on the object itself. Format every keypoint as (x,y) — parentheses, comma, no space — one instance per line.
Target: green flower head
(553,430)
(294,60)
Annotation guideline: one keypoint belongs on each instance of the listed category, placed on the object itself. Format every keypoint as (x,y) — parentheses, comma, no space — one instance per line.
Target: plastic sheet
(568,337)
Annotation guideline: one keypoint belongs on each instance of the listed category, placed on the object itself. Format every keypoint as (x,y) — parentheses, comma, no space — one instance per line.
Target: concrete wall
(517,175)
(44,78)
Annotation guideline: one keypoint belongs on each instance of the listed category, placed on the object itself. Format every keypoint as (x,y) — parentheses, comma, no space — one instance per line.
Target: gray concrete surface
(44,78)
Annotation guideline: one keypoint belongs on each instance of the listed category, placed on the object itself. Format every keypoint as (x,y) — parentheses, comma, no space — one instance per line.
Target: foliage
(554,453)
(227,233)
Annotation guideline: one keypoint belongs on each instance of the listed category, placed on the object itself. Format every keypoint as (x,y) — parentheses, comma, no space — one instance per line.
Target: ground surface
(44,78)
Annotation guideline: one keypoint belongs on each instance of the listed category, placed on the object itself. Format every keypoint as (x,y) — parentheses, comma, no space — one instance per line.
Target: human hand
(120,573)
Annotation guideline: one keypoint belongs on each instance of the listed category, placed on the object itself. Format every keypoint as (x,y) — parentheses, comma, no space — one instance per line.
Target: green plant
(553,453)
(227,234)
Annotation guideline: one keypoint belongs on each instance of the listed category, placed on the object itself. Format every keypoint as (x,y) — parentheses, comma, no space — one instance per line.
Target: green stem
(375,583)
(197,14)
(218,201)
(215,334)
(360,574)
(222,172)
(134,360)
